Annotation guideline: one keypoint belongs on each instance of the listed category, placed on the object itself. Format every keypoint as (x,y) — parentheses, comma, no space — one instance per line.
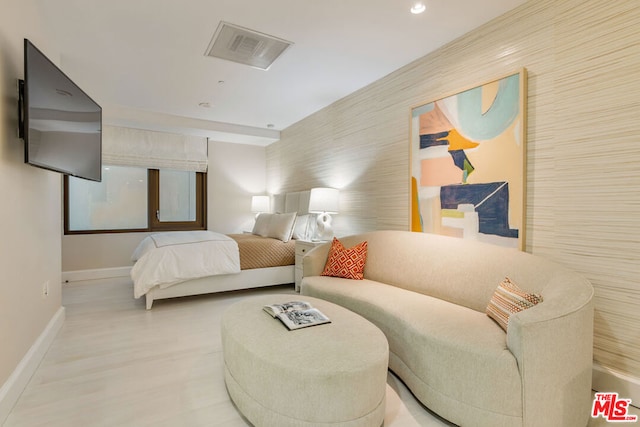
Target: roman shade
(154,150)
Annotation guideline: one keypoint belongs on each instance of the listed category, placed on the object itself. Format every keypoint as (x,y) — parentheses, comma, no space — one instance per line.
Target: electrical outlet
(45,289)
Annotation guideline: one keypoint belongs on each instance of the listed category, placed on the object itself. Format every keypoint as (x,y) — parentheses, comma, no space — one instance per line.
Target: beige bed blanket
(260,252)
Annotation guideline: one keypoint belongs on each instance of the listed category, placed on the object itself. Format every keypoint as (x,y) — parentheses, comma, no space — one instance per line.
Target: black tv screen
(61,125)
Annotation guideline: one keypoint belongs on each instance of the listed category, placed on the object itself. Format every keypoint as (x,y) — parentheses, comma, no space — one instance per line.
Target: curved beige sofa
(428,294)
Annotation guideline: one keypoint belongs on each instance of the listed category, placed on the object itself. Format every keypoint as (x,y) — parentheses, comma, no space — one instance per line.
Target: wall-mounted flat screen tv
(61,125)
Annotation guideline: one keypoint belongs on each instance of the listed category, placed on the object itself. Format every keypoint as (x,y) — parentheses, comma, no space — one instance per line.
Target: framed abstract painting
(468,163)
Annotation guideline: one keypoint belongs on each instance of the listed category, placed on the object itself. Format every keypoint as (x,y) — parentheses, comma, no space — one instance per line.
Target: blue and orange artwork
(468,163)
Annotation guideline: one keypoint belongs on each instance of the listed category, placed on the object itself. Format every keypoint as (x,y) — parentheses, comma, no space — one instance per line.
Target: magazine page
(297,319)
(275,309)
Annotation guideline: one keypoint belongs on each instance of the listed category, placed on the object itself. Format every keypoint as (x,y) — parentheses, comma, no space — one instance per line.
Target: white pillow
(300,228)
(281,226)
(143,247)
(261,227)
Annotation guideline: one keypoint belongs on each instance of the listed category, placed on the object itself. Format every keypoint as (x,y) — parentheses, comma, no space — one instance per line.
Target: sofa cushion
(509,299)
(451,351)
(426,263)
(346,263)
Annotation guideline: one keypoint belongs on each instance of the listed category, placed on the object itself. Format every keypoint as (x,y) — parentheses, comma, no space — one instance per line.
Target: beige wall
(97,251)
(236,172)
(583,190)
(30,215)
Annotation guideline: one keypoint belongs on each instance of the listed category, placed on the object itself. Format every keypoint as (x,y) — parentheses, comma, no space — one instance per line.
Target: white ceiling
(144,62)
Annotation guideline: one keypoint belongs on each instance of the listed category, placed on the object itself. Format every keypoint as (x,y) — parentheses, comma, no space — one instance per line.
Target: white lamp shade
(260,204)
(324,200)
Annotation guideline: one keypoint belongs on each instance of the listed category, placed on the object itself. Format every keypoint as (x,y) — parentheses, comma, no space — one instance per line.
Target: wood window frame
(153,200)
(155,224)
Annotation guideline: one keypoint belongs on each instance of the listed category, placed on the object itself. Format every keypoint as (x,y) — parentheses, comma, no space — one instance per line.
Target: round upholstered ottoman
(331,375)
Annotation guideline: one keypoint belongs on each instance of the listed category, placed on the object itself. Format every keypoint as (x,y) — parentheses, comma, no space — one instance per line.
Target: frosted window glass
(119,202)
(177,196)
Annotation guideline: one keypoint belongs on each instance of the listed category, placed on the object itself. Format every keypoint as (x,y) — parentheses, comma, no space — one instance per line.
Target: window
(131,199)
(177,200)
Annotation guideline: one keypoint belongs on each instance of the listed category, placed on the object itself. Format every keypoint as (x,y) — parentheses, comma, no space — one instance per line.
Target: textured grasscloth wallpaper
(583,146)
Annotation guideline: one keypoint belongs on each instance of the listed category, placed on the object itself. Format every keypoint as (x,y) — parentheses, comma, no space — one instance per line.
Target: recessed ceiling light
(271,125)
(205,104)
(418,7)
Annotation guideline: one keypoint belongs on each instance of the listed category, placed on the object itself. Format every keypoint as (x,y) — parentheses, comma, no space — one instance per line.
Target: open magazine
(296,314)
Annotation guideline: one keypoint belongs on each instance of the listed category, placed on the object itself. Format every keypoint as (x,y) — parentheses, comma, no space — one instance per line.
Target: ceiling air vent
(244,46)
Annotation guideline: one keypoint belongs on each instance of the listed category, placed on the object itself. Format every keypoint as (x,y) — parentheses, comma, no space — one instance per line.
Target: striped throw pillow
(346,263)
(508,299)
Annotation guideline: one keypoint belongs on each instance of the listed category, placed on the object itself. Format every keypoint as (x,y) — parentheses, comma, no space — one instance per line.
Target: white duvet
(164,259)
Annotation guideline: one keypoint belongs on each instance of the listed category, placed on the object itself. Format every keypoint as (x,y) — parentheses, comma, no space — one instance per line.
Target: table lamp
(324,202)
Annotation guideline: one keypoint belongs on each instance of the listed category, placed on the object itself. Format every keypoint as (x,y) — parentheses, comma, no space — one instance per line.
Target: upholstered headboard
(297,201)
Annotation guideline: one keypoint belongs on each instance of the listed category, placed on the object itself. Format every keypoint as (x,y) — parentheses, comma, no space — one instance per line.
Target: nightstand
(302,247)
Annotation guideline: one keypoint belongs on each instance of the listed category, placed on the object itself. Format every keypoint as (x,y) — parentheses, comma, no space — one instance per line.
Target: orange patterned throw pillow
(509,299)
(346,263)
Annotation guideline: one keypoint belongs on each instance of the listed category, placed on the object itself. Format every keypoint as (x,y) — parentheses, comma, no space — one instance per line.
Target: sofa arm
(553,345)
(314,261)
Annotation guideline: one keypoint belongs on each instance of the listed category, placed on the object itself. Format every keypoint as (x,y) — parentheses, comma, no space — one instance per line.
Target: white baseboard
(98,273)
(607,380)
(18,380)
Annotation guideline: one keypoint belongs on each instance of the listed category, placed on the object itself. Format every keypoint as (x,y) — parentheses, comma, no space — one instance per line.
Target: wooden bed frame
(246,279)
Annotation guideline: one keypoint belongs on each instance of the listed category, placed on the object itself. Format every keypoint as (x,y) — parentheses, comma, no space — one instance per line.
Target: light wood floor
(116,364)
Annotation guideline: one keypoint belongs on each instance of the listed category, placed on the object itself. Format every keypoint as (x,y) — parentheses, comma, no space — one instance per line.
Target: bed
(261,258)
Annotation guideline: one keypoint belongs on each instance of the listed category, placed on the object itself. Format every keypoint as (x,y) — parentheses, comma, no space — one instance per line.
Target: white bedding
(165,259)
